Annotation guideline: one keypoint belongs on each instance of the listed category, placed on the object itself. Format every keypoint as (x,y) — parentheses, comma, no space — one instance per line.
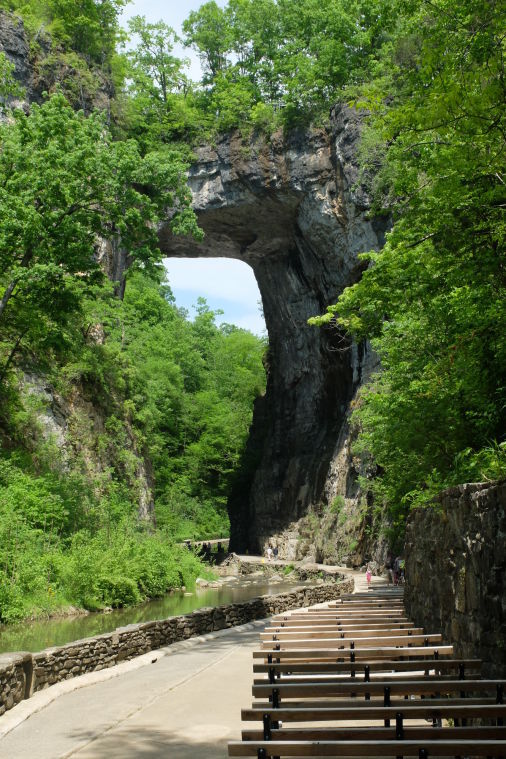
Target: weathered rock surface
(290,210)
(241,566)
(75,424)
(455,570)
(40,67)
(14,44)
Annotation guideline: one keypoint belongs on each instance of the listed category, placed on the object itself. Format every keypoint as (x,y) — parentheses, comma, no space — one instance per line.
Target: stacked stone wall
(456,571)
(22,674)
(16,675)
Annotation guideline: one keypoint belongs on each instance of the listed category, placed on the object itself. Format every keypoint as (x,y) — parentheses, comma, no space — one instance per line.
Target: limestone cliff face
(40,67)
(75,423)
(288,208)
(14,45)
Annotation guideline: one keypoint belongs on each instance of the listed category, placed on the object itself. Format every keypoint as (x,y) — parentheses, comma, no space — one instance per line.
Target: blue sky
(225,283)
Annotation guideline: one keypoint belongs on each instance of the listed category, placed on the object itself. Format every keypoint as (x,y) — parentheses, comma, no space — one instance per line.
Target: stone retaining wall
(22,674)
(456,569)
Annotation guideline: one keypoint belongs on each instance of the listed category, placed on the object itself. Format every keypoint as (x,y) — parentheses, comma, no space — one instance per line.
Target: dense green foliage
(63,182)
(63,545)
(192,387)
(266,64)
(89,27)
(153,405)
(432,301)
(283,62)
(175,392)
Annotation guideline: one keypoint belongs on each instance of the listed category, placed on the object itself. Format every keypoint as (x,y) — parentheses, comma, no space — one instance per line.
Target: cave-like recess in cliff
(287,208)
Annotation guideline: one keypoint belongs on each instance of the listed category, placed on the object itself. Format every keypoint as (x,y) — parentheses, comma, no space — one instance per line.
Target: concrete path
(178,703)
(186,704)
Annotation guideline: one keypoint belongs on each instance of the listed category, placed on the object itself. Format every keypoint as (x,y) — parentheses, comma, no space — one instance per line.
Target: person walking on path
(396,567)
(389,564)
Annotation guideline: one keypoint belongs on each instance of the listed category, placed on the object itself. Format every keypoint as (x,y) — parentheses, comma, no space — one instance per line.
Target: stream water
(35,636)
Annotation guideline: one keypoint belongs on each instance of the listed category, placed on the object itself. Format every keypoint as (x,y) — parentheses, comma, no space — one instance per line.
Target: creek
(44,633)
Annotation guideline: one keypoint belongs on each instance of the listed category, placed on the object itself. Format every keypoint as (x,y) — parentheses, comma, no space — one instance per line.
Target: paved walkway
(186,704)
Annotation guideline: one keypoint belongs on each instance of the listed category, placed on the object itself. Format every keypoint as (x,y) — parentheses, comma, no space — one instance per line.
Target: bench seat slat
(377,733)
(322,679)
(398,702)
(333,633)
(336,653)
(331,625)
(397,687)
(454,747)
(374,666)
(371,711)
(364,642)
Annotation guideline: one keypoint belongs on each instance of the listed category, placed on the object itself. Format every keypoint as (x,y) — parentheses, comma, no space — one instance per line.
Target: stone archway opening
(227,284)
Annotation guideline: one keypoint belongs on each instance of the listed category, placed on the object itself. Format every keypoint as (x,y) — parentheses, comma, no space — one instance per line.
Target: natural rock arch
(288,208)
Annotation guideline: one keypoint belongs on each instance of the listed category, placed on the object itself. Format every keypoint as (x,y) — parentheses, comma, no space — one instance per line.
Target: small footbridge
(356,678)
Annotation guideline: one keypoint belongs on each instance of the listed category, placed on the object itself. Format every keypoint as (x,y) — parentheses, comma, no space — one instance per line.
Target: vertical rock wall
(290,208)
(456,571)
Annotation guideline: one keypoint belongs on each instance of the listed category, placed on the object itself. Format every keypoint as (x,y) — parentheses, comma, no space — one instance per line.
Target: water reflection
(35,636)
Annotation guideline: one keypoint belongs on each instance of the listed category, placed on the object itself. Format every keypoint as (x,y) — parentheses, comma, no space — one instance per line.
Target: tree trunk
(11,355)
(11,286)
(6,296)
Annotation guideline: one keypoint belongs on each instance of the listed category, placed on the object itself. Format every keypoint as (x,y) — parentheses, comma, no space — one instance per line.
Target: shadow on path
(150,742)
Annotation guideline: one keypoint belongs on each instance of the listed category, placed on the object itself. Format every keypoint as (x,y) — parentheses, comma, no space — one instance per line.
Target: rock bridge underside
(290,210)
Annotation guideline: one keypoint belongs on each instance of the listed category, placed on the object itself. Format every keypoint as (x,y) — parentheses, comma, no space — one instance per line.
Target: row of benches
(357,679)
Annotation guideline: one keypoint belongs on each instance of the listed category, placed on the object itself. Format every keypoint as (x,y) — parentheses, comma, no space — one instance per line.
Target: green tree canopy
(432,300)
(64,184)
(160,105)
(208,30)
(89,27)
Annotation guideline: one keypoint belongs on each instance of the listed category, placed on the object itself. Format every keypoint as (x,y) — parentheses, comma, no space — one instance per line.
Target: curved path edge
(22,711)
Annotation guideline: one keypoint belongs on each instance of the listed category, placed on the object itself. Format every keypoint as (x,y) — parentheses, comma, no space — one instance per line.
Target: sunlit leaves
(64,184)
(432,300)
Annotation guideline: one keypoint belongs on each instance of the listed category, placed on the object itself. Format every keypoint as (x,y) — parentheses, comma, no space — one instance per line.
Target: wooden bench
(336,632)
(307,619)
(373,603)
(330,624)
(399,748)
(370,711)
(351,733)
(392,687)
(372,593)
(366,668)
(367,663)
(353,654)
(345,612)
(363,605)
(370,642)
